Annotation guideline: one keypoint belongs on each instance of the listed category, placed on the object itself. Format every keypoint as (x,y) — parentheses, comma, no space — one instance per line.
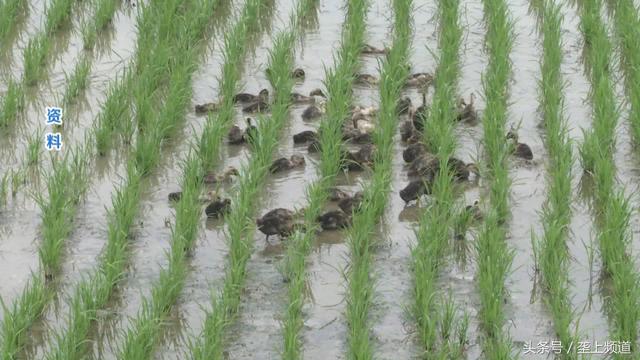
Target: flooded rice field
(190,214)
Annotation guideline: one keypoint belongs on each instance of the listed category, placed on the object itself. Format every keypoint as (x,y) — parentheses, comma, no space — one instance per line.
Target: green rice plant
(494,257)
(393,74)
(94,292)
(4,183)
(65,188)
(35,56)
(436,319)
(57,13)
(9,11)
(627,21)
(553,257)
(34,149)
(612,207)
(104,11)
(79,79)
(145,327)
(12,103)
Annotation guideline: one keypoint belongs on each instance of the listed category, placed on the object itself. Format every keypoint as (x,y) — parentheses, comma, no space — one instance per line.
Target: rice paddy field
(460,183)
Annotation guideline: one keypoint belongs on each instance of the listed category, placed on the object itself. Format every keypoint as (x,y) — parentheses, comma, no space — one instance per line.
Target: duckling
(208,107)
(363,112)
(473,211)
(297,98)
(175,196)
(414,190)
(336,194)
(356,136)
(351,203)
(467,112)
(363,125)
(365,79)
(226,176)
(251,131)
(277,222)
(414,151)
(218,207)
(283,164)
(426,165)
(520,150)
(357,160)
(246,98)
(403,106)
(334,220)
(419,80)
(297,73)
(235,135)
(304,137)
(259,105)
(372,50)
(313,111)
(407,131)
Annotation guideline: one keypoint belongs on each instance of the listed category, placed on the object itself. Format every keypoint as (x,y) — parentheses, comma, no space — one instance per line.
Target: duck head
(232,171)
(297,159)
(264,94)
(298,73)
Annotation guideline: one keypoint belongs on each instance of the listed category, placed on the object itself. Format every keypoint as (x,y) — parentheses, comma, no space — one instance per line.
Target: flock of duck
(422,165)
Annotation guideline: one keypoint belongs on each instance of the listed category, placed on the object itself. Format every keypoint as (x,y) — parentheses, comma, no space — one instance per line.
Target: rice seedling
(102,16)
(65,188)
(493,255)
(626,22)
(34,150)
(393,74)
(556,214)
(35,56)
(79,79)
(57,13)
(12,103)
(613,208)
(436,319)
(9,11)
(94,292)
(144,329)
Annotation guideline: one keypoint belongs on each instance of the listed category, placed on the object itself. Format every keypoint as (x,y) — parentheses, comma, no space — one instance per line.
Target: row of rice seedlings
(437,319)
(9,14)
(627,21)
(143,330)
(94,292)
(209,345)
(338,82)
(494,257)
(393,73)
(103,13)
(37,294)
(65,188)
(613,208)
(12,103)
(556,213)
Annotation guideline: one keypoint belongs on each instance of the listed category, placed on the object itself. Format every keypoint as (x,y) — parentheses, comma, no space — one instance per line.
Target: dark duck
(279,222)
(334,220)
(284,164)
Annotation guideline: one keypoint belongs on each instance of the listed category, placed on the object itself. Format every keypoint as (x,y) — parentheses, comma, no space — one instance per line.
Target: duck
(251,131)
(313,111)
(298,98)
(175,196)
(420,114)
(278,221)
(283,164)
(519,149)
(218,207)
(314,146)
(419,80)
(414,151)
(334,220)
(296,73)
(473,211)
(403,106)
(351,203)
(247,98)
(428,165)
(414,190)
(238,136)
(467,112)
(372,50)
(363,125)
(305,137)
(356,136)
(208,107)
(363,112)
(365,79)
(408,131)
(337,194)
(226,176)
(260,105)
(357,160)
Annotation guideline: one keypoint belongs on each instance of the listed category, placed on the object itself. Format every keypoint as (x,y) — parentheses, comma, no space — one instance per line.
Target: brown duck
(227,175)
(334,220)
(218,207)
(305,137)
(247,98)
(277,222)
(284,164)
(519,149)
